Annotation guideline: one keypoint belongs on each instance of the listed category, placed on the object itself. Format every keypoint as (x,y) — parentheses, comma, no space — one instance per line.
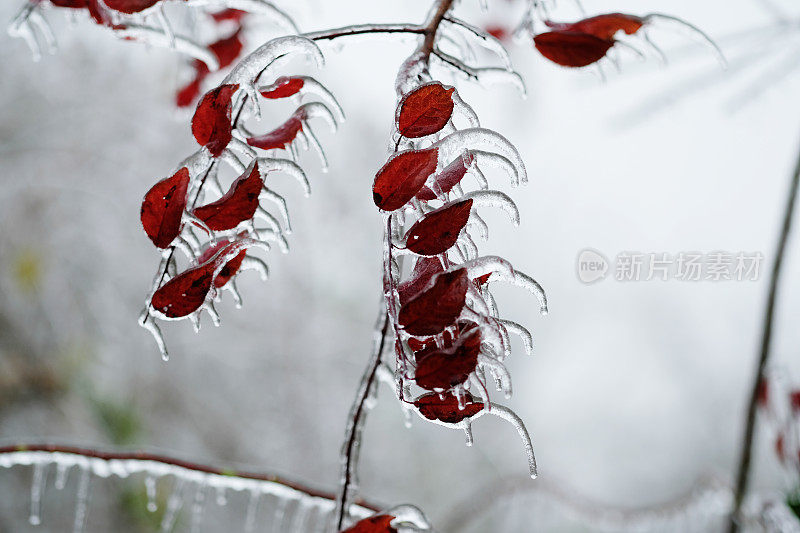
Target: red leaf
(425,110)
(283,88)
(228,49)
(424,269)
(498,32)
(437,231)
(189,92)
(794,400)
(571,49)
(235,15)
(602,26)
(211,123)
(130,6)
(231,267)
(237,205)
(74,4)
(435,308)
(445,368)
(448,178)
(282,136)
(163,207)
(432,407)
(185,293)
(402,177)
(374,524)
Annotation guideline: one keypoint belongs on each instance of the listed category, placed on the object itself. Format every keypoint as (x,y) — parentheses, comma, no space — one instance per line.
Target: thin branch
(355,425)
(92,453)
(766,341)
(362,29)
(444,6)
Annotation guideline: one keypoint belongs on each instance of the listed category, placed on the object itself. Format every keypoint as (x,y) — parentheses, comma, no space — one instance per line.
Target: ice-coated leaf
(425,110)
(211,123)
(254,64)
(448,367)
(163,207)
(571,49)
(187,292)
(237,205)
(231,267)
(438,230)
(445,408)
(381,523)
(602,26)
(401,178)
(283,87)
(282,136)
(435,308)
(424,269)
(448,178)
(130,6)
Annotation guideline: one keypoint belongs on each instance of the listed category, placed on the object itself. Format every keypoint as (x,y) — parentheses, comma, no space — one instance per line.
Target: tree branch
(766,340)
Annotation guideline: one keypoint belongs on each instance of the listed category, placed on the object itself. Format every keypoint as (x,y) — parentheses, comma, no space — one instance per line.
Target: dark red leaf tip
(381,523)
(283,87)
(446,409)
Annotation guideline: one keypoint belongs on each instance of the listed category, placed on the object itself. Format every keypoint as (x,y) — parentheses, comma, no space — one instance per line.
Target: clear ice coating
(150,471)
(256,7)
(158,38)
(496,199)
(456,143)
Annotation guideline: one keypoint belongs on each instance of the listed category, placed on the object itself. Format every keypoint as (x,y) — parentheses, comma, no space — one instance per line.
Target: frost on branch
(177,488)
(217,228)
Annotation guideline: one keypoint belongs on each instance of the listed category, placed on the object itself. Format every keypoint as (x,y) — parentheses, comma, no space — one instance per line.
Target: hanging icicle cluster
(218,235)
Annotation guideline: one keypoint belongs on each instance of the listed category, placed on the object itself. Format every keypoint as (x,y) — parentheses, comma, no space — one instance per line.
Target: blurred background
(636,391)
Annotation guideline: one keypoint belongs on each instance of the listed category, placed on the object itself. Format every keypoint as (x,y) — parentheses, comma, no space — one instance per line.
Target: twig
(355,425)
(766,340)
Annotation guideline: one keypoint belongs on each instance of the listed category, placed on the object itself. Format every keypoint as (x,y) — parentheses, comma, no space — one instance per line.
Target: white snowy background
(635,391)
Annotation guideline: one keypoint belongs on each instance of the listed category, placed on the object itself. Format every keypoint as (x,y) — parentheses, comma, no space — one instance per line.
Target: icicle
(409,515)
(161,16)
(691,31)
(150,489)
(269,218)
(82,502)
(499,371)
(38,21)
(35,517)
(487,41)
(222,498)
(256,7)
(312,140)
(468,432)
(280,201)
(475,220)
(285,166)
(495,199)
(252,509)
(198,506)
(488,159)
(524,334)
(174,503)
(466,111)
(61,476)
(254,263)
(246,72)
(157,38)
(148,322)
(526,282)
(507,414)
(455,144)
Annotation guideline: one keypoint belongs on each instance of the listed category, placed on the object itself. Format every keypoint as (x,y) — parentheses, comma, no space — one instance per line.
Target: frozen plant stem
(766,340)
(355,425)
(358,410)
